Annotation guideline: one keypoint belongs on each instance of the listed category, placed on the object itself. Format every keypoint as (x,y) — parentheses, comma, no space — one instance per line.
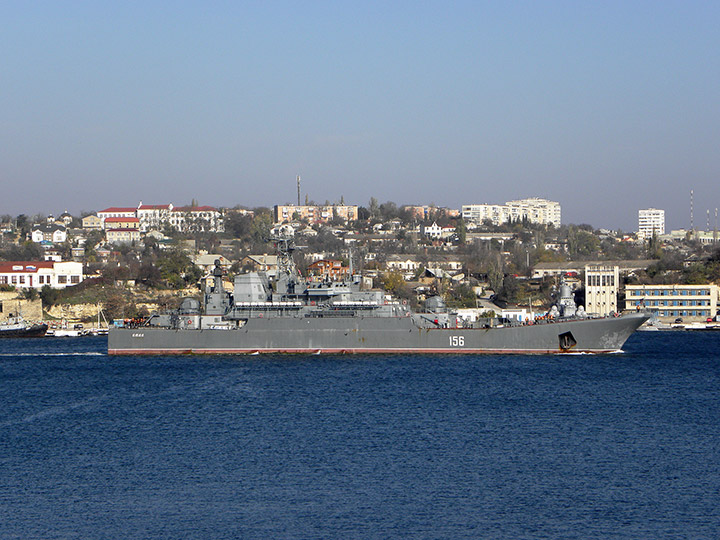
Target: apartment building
(651,222)
(314,213)
(534,209)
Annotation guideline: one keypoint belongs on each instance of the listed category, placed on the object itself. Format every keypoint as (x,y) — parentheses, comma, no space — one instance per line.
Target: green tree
(29,294)
(509,291)
(177,269)
(374,208)
(49,296)
(238,225)
(461,231)
(460,296)
(260,230)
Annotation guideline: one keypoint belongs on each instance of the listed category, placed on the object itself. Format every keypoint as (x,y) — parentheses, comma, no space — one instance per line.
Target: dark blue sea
(573,446)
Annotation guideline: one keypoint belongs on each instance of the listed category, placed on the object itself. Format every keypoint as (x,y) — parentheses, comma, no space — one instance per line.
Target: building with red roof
(37,274)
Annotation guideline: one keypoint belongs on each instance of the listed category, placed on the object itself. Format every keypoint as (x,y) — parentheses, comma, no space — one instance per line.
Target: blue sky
(606,107)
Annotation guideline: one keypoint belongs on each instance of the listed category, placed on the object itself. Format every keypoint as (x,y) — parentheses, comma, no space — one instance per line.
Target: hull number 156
(457,341)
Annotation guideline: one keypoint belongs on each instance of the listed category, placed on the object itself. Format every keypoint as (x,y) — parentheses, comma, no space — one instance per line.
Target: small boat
(16,327)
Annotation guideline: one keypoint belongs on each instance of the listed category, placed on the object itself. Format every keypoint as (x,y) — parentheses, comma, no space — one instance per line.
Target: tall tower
(692,223)
(298,185)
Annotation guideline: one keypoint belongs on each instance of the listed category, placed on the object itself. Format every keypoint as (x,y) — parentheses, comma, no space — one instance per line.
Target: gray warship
(293,315)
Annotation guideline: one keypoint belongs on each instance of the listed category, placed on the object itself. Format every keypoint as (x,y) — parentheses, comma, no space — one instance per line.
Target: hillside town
(505,259)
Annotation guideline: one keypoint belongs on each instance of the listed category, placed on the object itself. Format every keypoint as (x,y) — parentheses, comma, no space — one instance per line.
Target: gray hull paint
(376,335)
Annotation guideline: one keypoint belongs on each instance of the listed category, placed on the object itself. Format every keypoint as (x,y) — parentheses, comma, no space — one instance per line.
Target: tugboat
(17,327)
(292,315)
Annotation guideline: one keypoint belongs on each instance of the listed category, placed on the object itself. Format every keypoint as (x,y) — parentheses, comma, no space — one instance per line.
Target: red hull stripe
(353,351)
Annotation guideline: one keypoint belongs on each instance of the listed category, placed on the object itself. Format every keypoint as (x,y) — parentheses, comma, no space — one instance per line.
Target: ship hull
(36,330)
(378,335)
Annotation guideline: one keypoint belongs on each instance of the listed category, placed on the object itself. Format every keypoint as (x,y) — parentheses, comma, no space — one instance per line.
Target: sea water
(389,446)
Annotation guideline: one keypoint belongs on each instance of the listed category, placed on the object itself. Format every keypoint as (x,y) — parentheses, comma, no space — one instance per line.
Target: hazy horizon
(606,108)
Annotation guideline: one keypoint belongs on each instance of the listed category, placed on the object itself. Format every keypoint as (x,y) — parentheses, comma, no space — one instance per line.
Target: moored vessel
(17,327)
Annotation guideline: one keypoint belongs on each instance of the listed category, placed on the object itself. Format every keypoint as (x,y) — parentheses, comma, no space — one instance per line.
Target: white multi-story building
(117,211)
(37,274)
(651,221)
(158,216)
(153,216)
(197,219)
(478,213)
(601,288)
(534,209)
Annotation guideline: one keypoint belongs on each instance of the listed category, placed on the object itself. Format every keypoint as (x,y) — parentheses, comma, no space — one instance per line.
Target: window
(3,280)
(62,279)
(22,280)
(75,279)
(14,280)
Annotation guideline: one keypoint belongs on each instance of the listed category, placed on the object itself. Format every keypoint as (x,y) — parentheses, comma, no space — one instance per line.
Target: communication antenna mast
(715,231)
(298,185)
(707,223)
(692,223)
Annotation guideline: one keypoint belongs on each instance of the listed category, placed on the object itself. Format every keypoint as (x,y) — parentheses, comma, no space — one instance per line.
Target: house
(103,254)
(308,232)
(206,262)
(328,268)
(403,263)
(261,263)
(157,235)
(431,231)
(66,218)
(92,222)
(37,274)
(77,253)
(431,274)
(49,232)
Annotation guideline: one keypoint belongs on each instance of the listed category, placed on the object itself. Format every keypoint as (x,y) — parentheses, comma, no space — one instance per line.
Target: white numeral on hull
(457,341)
